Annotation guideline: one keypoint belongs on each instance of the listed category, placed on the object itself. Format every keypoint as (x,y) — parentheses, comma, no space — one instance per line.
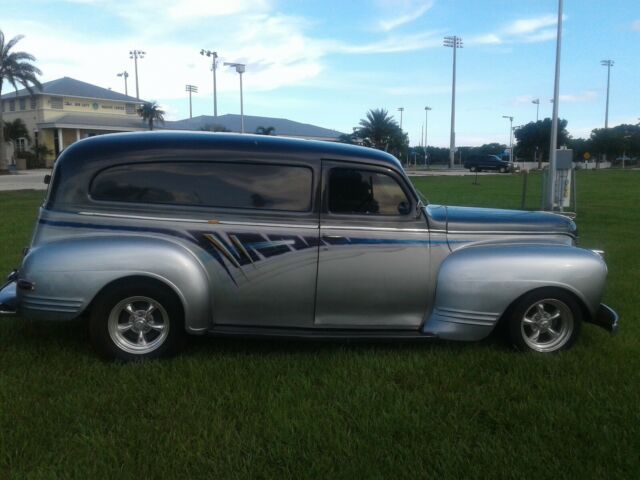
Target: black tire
(522,332)
(167,313)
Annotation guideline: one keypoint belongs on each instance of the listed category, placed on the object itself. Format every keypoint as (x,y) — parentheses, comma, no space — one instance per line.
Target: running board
(318,333)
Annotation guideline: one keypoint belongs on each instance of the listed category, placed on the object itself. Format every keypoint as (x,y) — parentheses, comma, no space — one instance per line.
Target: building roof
(70,87)
(231,122)
(96,122)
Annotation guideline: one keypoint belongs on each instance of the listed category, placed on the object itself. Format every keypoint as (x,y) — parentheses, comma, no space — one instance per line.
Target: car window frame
(329,164)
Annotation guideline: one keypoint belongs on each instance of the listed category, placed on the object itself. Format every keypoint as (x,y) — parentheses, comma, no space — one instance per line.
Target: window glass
(364,192)
(227,185)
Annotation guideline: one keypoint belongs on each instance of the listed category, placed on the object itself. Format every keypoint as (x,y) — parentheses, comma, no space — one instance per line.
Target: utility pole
(551,190)
(608,64)
(536,102)
(125,75)
(214,66)
(426,129)
(137,54)
(454,42)
(240,68)
(510,137)
(191,89)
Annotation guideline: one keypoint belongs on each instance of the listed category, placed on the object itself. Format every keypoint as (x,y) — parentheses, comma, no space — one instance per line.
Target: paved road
(455,172)
(24,180)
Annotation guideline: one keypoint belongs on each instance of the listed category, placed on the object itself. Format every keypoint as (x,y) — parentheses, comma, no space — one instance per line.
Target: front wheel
(546,320)
(137,320)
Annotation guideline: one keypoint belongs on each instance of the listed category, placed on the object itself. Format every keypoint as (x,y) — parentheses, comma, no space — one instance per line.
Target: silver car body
(448,272)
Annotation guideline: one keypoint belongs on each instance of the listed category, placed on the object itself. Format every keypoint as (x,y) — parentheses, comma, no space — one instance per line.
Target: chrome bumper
(606,318)
(8,301)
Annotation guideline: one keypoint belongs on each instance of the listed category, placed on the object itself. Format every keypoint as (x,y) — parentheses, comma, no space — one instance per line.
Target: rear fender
(68,274)
(476,285)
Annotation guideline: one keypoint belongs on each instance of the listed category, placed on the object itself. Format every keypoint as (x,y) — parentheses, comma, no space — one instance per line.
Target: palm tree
(266,130)
(15,130)
(16,69)
(151,112)
(379,130)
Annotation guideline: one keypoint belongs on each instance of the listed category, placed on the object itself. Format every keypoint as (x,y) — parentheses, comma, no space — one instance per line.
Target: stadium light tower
(608,64)
(125,75)
(137,54)
(553,144)
(401,109)
(240,68)
(454,42)
(510,137)
(214,66)
(191,89)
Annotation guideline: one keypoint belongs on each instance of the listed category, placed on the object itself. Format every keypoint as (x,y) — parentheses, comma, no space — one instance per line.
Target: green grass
(264,409)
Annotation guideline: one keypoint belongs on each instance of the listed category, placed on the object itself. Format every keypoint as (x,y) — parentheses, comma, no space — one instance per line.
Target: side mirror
(404,208)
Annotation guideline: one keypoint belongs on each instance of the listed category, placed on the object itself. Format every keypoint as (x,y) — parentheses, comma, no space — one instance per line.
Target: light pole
(426,129)
(553,145)
(608,64)
(214,66)
(240,68)
(125,75)
(137,54)
(536,102)
(401,109)
(510,137)
(191,89)
(454,42)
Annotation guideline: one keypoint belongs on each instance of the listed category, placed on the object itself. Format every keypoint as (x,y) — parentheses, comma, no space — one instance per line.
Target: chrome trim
(506,232)
(433,230)
(378,229)
(194,220)
(142,217)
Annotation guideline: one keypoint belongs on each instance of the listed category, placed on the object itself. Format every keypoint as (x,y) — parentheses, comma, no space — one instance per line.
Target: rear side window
(210,184)
(365,192)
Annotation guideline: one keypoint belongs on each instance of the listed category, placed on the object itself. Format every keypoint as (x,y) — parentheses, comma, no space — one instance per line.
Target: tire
(135,320)
(546,320)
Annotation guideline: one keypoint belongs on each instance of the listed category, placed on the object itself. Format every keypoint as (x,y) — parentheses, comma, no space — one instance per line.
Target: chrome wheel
(138,325)
(547,325)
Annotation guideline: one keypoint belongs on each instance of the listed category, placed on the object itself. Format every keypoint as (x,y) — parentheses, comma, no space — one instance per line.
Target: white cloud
(394,44)
(586,96)
(416,11)
(635,26)
(524,30)
(487,39)
(530,25)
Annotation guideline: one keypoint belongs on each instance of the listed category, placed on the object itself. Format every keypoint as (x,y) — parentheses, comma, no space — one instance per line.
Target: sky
(328,62)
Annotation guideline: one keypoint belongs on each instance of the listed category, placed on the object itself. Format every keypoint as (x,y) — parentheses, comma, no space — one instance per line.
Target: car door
(373,264)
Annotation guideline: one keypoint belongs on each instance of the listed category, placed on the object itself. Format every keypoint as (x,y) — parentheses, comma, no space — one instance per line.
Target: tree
(15,69)
(151,112)
(266,130)
(534,138)
(379,130)
(619,140)
(15,130)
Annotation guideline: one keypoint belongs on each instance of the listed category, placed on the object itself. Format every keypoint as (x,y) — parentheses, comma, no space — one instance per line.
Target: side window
(209,184)
(365,192)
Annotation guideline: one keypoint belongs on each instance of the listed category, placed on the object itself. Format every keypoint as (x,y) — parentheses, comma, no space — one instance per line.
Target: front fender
(476,285)
(68,274)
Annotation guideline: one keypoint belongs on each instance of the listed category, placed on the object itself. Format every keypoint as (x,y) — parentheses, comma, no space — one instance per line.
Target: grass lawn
(264,409)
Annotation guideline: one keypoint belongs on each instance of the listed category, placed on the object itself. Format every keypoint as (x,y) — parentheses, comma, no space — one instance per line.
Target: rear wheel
(546,320)
(137,320)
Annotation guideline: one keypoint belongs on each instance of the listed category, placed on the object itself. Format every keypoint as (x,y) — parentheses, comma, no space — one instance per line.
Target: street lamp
(608,64)
(536,102)
(214,66)
(125,75)
(240,68)
(510,137)
(191,89)
(553,144)
(426,125)
(137,54)
(454,42)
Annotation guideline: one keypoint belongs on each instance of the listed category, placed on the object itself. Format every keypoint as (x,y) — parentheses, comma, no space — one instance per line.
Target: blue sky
(328,62)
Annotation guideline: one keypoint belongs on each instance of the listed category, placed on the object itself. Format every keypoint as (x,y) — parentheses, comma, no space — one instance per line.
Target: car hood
(493,220)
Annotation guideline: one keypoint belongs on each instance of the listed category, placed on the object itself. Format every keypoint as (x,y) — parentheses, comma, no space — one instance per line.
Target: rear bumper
(606,318)
(8,299)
